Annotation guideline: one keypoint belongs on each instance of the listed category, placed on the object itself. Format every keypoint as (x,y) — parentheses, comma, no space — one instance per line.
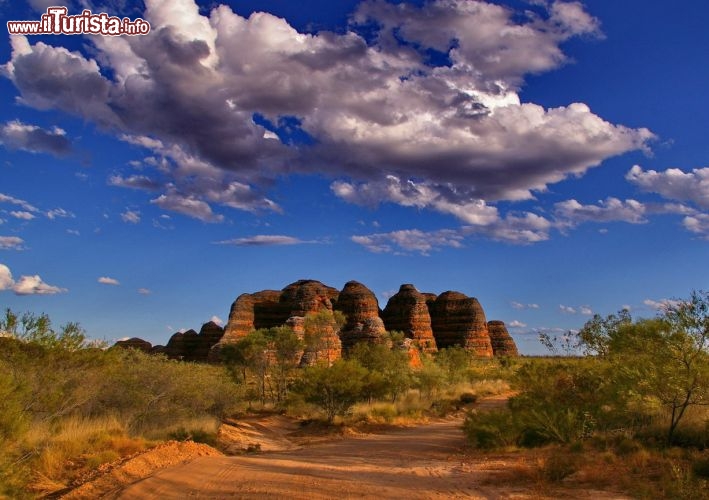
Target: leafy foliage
(334,388)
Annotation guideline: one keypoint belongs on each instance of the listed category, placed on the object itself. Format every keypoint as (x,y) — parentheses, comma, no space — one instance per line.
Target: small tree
(248,354)
(389,371)
(286,347)
(335,389)
(319,330)
(596,335)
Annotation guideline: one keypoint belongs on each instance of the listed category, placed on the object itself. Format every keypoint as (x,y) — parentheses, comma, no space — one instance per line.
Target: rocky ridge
(429,322)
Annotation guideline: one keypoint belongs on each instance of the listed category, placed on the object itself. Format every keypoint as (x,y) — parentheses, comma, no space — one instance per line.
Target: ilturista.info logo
(57,21)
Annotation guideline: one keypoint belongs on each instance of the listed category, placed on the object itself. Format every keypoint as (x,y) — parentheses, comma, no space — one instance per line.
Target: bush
(335,389)
(491,429)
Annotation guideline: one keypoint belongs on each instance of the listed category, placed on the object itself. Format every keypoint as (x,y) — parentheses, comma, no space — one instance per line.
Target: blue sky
(547,157)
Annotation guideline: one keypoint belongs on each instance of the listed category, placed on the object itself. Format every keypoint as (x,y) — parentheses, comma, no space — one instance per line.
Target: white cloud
(59,213)
(18,135)
(412,240)
(567,309)
(6,280)
(131,216)
(517,324)
(263,240)
(105,280)
(586,311)
(26,285)
(144,291)
(697,224)
(19,214)
(217,320)
(11,243)
(73,232)
(674,184)
(187,205)
(455,137)
(16,201)
(662,304)
(33,285)
(572,213)
(521,306)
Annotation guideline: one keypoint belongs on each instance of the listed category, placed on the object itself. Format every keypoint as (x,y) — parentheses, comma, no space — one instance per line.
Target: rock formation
(252,311)
(135,343)
(305,297)
(502,342)
(407,312)
(270,308)
(459,320)
(361,309)
(193,346)
(429,322)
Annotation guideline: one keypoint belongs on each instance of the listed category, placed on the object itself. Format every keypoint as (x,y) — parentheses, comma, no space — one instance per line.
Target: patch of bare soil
(425,461)
(112,478)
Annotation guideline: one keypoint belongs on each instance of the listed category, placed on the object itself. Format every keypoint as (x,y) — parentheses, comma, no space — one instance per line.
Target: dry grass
(73,446)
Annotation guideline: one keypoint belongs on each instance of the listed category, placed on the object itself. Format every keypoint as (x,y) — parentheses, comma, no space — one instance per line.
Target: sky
(547,157)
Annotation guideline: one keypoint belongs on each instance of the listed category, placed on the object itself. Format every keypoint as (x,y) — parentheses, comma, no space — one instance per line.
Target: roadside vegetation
(630,411)
(70,406)
(623,404)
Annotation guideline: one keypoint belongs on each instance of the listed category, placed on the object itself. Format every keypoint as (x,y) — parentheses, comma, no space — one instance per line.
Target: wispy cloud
(105,280)
(11,243)
(19,214)
(16,201)
(263,240)
(521,306)
(412,240)
(131,216)
(662,304)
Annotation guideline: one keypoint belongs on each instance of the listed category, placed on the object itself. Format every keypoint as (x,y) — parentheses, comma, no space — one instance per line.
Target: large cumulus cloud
(208,96)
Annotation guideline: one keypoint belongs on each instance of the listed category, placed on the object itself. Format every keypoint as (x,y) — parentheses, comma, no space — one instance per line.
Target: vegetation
(70,405)
(641,387)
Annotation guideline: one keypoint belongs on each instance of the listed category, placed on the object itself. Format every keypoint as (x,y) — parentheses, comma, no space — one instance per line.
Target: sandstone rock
(135,343)
(361,309)
(457,319)
(159,349)
(245,310)
(430,298)
(407,312)
(306,297)
(502,342)
(182,345)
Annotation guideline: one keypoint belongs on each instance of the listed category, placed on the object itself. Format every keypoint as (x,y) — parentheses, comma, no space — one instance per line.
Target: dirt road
(410,463)
(417,462)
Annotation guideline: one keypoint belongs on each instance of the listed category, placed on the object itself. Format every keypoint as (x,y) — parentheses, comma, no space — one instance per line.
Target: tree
(666,360)
(248,354)
(334,388)
(596,335)
(286,347)
(321,328)
(37,329)
(388,368)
